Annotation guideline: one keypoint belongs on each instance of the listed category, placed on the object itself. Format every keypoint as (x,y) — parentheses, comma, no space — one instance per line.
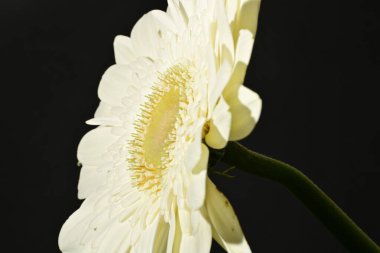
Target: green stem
(325,209)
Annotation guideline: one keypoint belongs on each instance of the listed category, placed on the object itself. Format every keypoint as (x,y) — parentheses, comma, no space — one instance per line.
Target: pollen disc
(155,129)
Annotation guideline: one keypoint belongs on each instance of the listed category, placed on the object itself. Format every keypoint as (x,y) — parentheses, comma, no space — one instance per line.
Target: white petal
(225,39)
(175,234)
(224,221)
(117,82)
(194,151)
(232,8)
(244,47)
(90,180)
(124,51)
(243,54)
(178,14)
(245,113)
(184,215)
(94,145)
(161,239)
(149,33)
(248,15)
(220,126)
(196,192)
(188,6)
(215,90)
(114,239)
(105,121)
(75,228)
(245,105)
(154,238)
(103,110)
(211,67)
(102,225)
(201,236)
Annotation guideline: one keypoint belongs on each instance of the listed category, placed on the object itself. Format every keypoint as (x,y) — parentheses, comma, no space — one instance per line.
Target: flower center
(160,130)
(156,127)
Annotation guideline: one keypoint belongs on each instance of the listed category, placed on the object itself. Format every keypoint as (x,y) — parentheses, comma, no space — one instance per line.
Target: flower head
(177,81)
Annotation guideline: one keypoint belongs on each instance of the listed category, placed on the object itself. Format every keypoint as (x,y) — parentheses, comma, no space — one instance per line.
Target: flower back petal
(124,51)
(200,238)
(220,126)
(246,112)
(151,32)
(248,15)
(224,221)
(196,192)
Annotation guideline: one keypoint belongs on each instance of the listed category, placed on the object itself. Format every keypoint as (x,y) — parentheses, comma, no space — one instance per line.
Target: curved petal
(196,191)
(178,14)
(225,41)
(105,121)
(124,51)
(90,180)
(220,126)
(151,32)
(232,8)
(243,54)
(154,238)
(117,82)
(188,7)
(175,234)
(103,110)
(200,238)
(245,111)
(194,151)
(215,89)
(224,221)
(94,145)
(248,15)
(113,222)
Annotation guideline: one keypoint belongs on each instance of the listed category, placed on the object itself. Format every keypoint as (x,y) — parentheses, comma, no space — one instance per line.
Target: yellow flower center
(156,127)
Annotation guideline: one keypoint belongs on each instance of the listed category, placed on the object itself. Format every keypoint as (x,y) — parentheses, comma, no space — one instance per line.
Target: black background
(316,65)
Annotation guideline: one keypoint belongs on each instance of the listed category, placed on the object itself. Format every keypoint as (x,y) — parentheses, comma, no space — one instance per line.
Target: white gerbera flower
(144,175)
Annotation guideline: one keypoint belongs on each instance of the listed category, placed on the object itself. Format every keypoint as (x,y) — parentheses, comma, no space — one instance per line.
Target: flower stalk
(323,207)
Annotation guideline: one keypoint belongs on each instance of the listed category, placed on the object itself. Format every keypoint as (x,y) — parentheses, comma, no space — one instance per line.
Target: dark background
(315,64)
